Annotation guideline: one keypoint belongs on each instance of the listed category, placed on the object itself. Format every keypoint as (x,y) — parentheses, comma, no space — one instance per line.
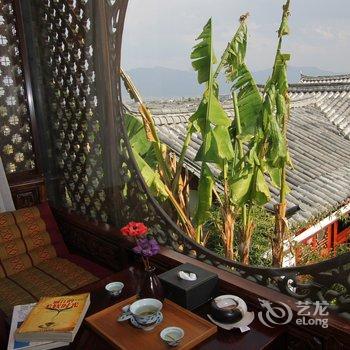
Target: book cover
(55,314)
(20,312)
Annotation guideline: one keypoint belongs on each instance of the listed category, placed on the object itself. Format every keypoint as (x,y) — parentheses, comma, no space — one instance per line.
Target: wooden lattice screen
(16,141)
(77,117)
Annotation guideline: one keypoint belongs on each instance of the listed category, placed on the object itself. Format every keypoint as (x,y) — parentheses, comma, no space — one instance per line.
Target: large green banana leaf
(248,184)
(251,188)
(145,157)
(236,52)
(137,134)
(276,108)
(202,55)
(210,119)
(215,114)
(248,96)
(247,181)
(151,177)
(279,74)
(205,189)
(276,150)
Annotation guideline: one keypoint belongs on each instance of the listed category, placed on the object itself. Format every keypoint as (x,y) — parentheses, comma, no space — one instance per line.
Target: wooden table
(260,337)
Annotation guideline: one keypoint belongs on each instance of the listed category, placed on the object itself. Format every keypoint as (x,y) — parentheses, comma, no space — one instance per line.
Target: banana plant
(213,123)
(278,158)
(259,127)
(247,182)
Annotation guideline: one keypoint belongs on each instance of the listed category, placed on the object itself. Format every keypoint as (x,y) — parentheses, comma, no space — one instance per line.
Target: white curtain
(6,202)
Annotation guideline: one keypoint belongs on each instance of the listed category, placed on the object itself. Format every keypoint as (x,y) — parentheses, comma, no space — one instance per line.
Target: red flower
(134,229)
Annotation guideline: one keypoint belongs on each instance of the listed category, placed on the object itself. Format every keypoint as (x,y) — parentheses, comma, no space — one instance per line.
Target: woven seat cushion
(56,276)
(28,237)
(34,260)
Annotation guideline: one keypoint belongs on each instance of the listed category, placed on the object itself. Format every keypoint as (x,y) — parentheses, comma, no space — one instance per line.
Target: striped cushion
(34,260)
(28,237)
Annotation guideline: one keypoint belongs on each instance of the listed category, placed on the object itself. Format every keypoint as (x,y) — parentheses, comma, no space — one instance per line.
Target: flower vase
(151,286)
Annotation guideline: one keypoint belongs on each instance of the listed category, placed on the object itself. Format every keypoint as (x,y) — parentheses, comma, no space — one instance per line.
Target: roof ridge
(335,78)
(329,76)
(320,86)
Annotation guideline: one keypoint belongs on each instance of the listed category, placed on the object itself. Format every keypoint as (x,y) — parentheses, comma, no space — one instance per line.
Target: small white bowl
(114,288)
(172,335)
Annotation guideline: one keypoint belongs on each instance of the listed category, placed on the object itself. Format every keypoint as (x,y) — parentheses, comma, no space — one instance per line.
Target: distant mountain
(160,82)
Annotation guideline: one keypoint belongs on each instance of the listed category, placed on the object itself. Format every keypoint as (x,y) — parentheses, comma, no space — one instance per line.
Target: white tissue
(226,303)
(187,276)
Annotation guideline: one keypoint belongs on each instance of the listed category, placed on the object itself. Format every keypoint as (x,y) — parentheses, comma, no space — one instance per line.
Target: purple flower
(154,246)
(137,249)
(147,253)
(146,246)
(143,243)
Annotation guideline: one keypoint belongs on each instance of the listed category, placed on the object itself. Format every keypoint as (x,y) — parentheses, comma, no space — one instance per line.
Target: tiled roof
(337,78)
(335,104)
(320,179)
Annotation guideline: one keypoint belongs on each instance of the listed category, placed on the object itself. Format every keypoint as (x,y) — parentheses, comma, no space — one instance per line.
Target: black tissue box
(189,294)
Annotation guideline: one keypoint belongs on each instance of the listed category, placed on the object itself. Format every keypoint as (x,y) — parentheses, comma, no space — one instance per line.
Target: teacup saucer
(159,319)
(242,324)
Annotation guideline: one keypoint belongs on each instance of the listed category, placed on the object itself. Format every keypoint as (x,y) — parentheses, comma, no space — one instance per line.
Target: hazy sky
(162,32)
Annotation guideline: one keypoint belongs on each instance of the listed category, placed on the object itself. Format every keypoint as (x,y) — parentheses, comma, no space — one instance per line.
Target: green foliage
(205,189)
(250,186)
(202,55)
(276,110)
(310,255)
(276,155)
(137,135)
(248,96)
(217,146)
(249,102)
(261,243)
(145,157)
(260,252)
(151,177)
(210,119)
(284,26)
(236,52)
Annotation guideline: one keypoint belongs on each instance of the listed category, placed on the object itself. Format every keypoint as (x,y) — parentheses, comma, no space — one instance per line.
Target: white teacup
(172,335)
(144,311)
(114,288)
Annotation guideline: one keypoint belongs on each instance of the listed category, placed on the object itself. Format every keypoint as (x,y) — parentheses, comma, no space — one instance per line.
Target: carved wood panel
(77,119)
(16,143)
